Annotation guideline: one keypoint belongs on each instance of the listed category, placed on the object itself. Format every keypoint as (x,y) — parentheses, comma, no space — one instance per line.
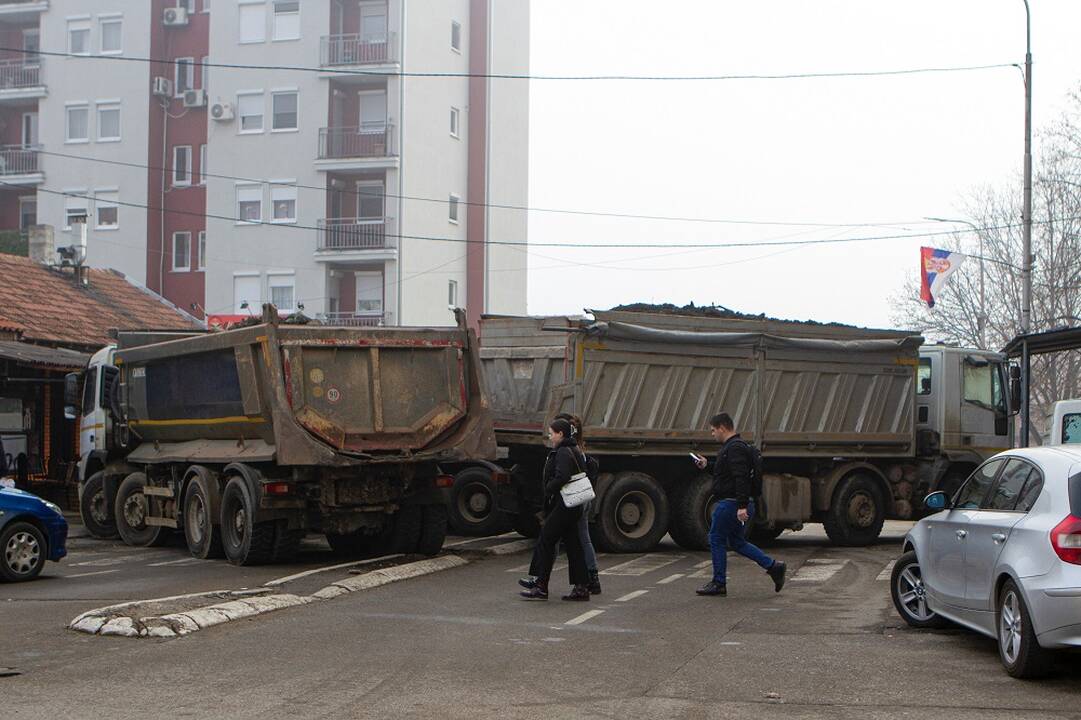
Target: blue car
(32,531)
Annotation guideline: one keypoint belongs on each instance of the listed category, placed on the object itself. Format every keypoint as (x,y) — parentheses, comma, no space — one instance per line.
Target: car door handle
(998,537)
(962,534)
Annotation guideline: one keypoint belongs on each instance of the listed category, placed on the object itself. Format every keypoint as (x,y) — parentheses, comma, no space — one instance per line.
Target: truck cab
(1065,422)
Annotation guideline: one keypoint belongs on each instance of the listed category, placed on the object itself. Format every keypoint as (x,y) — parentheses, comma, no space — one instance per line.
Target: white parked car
(1002,557)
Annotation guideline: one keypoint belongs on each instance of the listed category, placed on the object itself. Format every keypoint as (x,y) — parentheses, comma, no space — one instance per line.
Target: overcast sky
(885,151)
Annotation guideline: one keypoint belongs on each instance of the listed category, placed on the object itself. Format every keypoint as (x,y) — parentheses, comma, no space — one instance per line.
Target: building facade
(355,186)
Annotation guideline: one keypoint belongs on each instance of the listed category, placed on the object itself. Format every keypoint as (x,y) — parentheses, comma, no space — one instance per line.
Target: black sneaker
(579,594)
(537,592)
(594,584)
(777,572)
(713,588)
(528,582)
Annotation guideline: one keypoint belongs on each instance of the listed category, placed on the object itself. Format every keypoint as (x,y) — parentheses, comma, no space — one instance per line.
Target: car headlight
(55,508)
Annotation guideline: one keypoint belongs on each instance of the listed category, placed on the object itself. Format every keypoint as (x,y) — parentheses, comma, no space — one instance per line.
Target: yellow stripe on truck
(200,421)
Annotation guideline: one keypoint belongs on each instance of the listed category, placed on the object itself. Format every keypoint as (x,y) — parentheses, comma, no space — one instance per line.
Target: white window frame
(240,114)
(248,274)
(274,14)
(262,201)
(81,23)
(452,294)
(283,190)
(187,255)
(206,6)
(240,22)
(188,64)
(200,252)
(188,5)
(273,114)
(455,123)
(68,107)
(455,25)
(282,280)
(186,181)
(106,198)
(104,20)
(81,202)
(357,275)
(105,105)
(454,208)
(202,164)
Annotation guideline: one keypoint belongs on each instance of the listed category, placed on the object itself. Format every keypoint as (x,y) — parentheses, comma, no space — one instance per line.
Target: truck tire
(857,512)
(633,514)
(286,543)
(94,508)
(131,511)
(23,551)
(526,524)
(692,511)
(433,529)
(201,529)
(405,531)
(472,504)
(245,541)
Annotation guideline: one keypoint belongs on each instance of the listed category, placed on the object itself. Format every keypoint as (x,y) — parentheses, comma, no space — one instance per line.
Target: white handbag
(579,490)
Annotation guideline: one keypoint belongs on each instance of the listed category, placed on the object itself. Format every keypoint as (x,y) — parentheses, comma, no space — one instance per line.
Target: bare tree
(1056,284)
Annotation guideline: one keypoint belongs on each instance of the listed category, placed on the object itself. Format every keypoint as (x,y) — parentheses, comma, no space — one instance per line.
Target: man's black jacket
(732,471)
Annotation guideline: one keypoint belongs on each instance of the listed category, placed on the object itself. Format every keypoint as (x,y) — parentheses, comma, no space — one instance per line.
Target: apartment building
(356,188)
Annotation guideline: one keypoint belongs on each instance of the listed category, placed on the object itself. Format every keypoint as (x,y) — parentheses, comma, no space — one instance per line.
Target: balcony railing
(368,141)
(17,74)
(354,234)
(341,50)
(356,319)
(19,160)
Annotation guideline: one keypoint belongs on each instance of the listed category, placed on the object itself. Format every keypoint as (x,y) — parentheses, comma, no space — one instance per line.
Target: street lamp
(981,319)
(1026,219)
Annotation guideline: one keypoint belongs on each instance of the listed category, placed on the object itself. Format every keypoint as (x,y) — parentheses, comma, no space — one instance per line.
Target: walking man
(732,485)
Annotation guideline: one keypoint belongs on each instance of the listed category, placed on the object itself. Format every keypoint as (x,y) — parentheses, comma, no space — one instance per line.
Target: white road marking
(525,568)
(306,573)
(99,572)
(632,595)
(704,563)
(886,571)
(181,561)
(105,562)
(468,541)
(642,565)
(670,578)
(703,573)
(510,547)
(584,617)
(816,573)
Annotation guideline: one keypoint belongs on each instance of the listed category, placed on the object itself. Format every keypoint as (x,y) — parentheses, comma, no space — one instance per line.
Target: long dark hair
(575,423)
(563,427)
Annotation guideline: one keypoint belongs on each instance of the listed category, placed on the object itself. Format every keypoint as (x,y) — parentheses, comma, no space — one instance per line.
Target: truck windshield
(90,385)
(983,386)
(1071,429)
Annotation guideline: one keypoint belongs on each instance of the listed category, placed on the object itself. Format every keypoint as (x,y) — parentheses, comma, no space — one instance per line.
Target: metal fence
(368,141)
(355,320)
(19,159)
(353,234)
(15,74)
(337,50)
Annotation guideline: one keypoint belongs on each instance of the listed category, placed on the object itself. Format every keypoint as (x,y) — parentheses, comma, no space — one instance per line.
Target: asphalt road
(460,644)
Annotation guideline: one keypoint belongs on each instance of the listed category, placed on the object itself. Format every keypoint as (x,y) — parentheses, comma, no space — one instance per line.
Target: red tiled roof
(47,305)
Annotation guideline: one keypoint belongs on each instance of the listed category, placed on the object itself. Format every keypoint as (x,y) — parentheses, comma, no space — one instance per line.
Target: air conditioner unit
(176,17)
(222,112)
(194,98)
(163,87)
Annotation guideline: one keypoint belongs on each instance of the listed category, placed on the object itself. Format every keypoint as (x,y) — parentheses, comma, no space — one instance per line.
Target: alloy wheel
(913,594)
(22,553)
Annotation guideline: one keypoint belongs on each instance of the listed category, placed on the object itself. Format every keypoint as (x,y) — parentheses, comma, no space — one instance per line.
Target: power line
(516,76)
(496,206)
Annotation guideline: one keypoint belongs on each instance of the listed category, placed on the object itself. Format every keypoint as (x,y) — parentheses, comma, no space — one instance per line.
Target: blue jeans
(726,532)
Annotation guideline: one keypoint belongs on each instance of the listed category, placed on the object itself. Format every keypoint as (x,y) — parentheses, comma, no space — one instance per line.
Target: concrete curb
(109,621)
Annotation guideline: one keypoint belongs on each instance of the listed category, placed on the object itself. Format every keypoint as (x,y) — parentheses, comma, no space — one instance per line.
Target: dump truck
(248,439)
(854,425)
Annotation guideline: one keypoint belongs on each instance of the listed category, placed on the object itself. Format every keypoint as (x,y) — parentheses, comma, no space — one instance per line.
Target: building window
(79,37)
(456,36)
(286,19)
(202,164)
(108,122)
(285,111)
(454,200)
(284,203)
(369,293)
(247,293)
(455,121)
(182,166)
(249,203)
(112,34)
(200,252)
(185,75)
(253,22)
(181,251)
(282,292)
(108,210)
(78,123)
(206,6)
(188,5)
(74,207)
(250,109)
(452,294)
(28,212)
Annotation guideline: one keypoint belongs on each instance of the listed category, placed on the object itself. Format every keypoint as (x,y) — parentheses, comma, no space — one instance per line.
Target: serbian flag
(936,266)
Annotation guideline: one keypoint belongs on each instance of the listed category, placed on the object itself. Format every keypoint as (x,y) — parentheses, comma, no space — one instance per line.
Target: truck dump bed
(307,395)
(648,384)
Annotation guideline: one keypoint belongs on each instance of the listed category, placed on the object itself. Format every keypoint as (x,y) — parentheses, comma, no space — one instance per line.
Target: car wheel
(22,552)
(1018,648)
(909,594)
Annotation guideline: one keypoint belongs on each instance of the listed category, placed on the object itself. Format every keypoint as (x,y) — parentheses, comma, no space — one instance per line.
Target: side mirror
(71,396)
(937,501)
(1015,389)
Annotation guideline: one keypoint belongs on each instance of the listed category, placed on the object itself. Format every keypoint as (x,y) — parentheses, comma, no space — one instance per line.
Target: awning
(1048,341)
(40,356)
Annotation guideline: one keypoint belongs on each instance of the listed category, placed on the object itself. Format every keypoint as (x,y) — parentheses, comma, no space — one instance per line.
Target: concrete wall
(79,79)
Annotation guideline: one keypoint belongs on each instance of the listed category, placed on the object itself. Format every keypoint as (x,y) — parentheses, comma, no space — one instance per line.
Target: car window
(1031,492)
(1010,485)
(972,493)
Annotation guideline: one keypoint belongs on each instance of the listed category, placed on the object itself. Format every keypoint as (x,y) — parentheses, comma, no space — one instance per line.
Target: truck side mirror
(1015,389)
(71,396)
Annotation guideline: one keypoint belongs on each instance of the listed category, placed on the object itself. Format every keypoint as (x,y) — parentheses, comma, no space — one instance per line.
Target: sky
(883,153)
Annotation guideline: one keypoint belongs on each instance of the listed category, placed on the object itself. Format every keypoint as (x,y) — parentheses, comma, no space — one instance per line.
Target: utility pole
(1026,219)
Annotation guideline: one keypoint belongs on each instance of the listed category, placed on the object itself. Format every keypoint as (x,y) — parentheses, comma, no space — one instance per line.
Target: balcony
(341,319)
(22,11)
(357,148)
(20,80)
(359,239)
(20,165)
(344,51)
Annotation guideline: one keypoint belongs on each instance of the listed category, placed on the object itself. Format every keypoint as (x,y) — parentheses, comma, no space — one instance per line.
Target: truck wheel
(94,508)
(692,513)
(633,514)
(245,541)
(526,524)
(472,504)
(405,531)
(201,531)
(131,511)
(286,543)
(856,513)
(433,529)
(22,552)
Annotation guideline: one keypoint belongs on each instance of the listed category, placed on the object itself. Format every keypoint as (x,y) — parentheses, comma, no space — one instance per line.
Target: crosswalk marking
(703,573)
(584,617)
(670,578)
(818,573)
(642,565)
(632,595)
(704,563)
(181,561)
(886,571)
(99,572)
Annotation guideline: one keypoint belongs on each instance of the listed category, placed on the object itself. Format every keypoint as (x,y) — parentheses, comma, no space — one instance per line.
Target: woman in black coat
(564,462)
